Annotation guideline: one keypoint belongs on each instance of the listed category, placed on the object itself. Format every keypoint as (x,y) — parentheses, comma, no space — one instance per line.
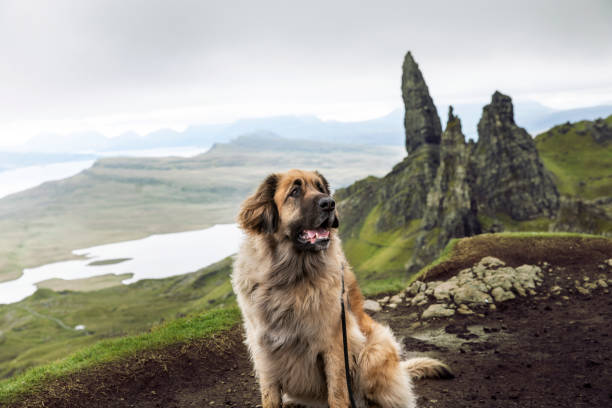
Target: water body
(154,257)
(22,178)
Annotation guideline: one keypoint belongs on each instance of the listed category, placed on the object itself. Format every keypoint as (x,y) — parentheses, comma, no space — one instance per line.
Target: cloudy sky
(114,66)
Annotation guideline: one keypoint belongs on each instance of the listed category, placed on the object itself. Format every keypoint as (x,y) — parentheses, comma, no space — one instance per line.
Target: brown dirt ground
(543,351)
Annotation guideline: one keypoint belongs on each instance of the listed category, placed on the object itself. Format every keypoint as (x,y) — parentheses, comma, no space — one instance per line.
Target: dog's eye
(295,192)
(320,187)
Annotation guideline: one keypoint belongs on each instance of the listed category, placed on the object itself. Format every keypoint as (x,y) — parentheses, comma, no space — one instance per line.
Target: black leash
(345,342)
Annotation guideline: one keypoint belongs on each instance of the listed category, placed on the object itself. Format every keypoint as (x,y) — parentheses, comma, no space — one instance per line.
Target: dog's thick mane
(290,267)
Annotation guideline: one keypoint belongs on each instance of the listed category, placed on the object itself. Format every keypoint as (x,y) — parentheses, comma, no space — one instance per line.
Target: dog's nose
(327,204)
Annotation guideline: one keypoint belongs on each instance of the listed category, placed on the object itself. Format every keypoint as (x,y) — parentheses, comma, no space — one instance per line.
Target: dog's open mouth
(314,235)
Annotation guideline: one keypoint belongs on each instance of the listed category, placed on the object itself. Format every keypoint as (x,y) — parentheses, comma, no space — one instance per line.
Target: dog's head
(295,206)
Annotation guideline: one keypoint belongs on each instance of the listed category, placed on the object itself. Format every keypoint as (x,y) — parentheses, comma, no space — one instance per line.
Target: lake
(22,178)
(153,257)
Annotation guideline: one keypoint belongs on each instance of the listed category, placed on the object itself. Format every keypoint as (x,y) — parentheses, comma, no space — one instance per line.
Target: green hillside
(195,330)
(580,157)
(40,328)
(129,198)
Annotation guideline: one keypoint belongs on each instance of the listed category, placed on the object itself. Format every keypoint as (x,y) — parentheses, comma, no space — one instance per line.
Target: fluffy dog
(288,281)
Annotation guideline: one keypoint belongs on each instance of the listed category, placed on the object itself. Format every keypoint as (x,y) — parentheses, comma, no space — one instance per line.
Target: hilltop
(448,188)
(549,346)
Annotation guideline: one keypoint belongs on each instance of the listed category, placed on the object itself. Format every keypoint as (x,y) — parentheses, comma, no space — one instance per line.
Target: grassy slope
(179,331)
(379,258)
(38,329)
(581,166)
(129,198)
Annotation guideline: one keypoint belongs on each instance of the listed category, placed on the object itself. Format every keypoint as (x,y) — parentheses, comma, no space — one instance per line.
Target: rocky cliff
(510,177)
(450,208)
(446,188)
(421,119)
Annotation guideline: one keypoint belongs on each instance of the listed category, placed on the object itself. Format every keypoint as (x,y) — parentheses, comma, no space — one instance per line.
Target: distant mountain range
(386,130)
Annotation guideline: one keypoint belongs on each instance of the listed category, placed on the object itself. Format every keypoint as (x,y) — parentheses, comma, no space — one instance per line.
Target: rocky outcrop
(599,130)
(448,189)
(576,215)
(450,211)
(401,194)
(421,119)
(487,283)
(510,178)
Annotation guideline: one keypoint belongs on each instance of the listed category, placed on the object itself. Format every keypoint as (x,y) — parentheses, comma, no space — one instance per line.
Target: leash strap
(345,343)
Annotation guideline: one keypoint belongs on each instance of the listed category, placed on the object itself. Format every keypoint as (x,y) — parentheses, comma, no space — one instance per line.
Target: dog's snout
(327,204)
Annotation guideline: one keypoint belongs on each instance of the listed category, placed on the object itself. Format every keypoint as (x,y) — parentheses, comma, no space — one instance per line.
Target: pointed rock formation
(510,177)
(450,211)
(401,195)
(421,119)
(448,189)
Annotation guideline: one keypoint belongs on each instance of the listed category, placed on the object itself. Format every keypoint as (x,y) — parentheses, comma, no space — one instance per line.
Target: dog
(288,279)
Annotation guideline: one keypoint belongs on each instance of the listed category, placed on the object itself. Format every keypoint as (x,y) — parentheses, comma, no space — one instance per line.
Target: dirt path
(541,351)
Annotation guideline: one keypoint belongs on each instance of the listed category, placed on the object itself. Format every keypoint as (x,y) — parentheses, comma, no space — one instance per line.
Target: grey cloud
(89,57)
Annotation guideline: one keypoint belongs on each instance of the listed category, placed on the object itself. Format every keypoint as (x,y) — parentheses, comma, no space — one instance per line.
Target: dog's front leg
(270,393)
(337,394)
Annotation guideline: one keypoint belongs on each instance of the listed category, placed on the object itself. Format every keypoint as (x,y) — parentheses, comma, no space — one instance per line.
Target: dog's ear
(259,213)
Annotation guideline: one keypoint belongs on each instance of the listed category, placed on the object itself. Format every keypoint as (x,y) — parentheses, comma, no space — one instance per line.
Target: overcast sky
(113,66)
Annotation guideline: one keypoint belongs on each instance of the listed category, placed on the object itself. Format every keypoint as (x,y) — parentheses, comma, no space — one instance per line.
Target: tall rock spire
(510,177)
(421,120)
(450,211)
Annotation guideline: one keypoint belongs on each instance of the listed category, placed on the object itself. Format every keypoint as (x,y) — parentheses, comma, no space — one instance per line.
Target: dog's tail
(425,367)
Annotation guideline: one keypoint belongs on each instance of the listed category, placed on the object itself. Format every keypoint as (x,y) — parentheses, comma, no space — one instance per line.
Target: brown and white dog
(287,278)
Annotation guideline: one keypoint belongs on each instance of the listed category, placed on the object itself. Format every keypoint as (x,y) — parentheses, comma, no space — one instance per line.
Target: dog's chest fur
(289,319)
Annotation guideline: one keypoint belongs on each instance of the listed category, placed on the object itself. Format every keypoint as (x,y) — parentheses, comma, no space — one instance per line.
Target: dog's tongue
(313,235)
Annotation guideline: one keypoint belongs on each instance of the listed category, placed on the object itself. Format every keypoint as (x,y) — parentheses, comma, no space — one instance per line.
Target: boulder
(556,290)
(419,300)
(437,310)
(443,291)
(464,310)
(371,306)
(490,262)
(470,294)
(415,288)
(501,295)
(396,299)
(500,278)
